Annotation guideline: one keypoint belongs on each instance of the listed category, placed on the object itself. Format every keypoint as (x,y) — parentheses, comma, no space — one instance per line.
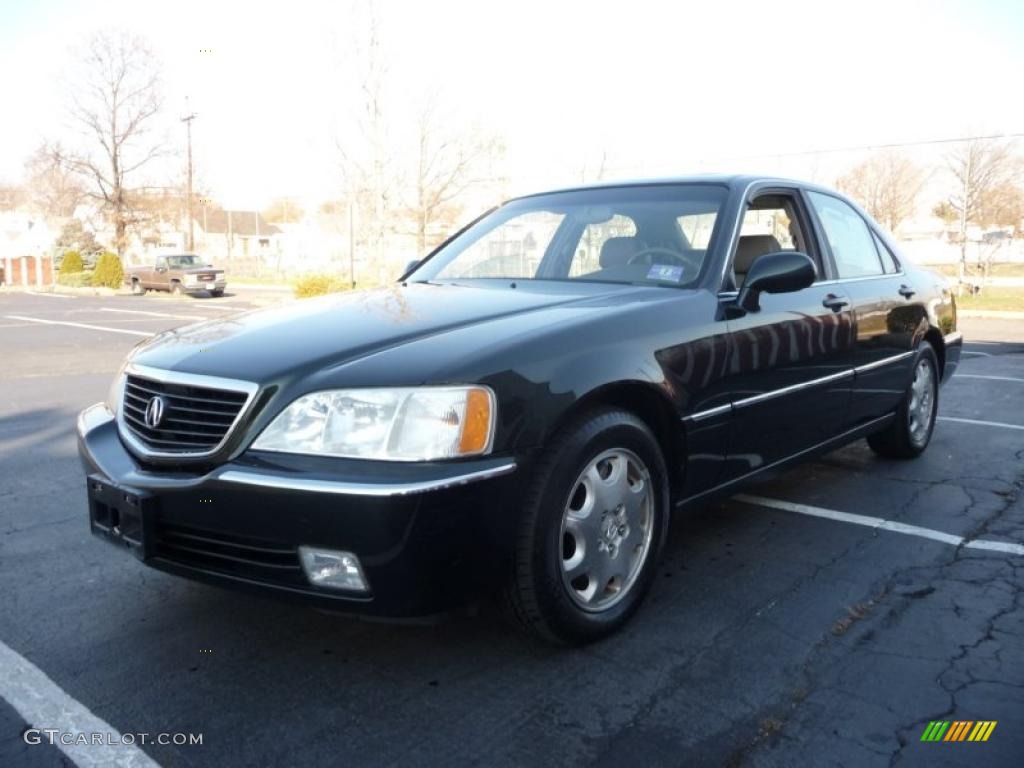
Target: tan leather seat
(748,249)
(616,251)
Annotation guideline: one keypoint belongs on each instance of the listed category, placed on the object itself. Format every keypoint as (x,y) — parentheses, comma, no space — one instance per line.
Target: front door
(886,312)
(790,362)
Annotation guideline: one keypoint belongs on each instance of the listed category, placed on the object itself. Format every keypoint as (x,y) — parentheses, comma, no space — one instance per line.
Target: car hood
(313,334)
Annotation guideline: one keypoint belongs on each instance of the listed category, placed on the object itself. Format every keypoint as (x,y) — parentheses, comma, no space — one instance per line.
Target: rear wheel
(595,518)
(177,288)
(911,431)
(137,288)
(217,293)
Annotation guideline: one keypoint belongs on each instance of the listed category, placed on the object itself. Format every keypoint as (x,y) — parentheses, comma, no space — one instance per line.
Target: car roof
(741,180)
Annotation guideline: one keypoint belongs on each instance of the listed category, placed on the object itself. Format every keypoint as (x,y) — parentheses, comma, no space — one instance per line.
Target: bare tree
(365,159)
(283,210)
(11,197)
(53,186)
(980,167)
(887,184)
(115,105)
(596,171)
(448,161)
(1001,206)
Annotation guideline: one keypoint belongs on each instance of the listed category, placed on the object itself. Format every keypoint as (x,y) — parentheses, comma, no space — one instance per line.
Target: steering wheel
(645,256)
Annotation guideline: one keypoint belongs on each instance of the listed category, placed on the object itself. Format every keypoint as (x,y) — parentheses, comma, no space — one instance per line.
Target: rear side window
(889,262)
(852,243)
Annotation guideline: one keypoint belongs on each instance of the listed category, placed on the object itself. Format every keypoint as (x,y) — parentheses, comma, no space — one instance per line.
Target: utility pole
(351,242)
(967,193)
(187,120)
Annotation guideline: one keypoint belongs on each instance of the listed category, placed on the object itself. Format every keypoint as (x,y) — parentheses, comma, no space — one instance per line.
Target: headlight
(396,424)
(116,391)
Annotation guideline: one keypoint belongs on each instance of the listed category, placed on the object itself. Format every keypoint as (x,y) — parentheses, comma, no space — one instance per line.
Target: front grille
(246,557)
(196,419)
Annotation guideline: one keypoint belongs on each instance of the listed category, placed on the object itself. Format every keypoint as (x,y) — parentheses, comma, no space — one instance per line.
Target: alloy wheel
(921,408)
(607,527)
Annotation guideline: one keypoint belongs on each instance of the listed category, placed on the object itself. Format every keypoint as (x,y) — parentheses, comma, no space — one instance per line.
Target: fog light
(334,569)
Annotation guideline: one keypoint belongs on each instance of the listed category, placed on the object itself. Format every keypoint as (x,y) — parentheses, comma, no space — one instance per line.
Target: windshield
(657,234)
(183,262)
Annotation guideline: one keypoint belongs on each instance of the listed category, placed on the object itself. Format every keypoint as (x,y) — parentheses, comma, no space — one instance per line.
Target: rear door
(791,362)
(886,312)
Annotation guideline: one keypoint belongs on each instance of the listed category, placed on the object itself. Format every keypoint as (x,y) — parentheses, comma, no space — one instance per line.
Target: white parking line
(979,354)
(50,295)
(153,314)
(882,524)
(44,704)
(981,423)
(990,378)
(225,307)
(78,325)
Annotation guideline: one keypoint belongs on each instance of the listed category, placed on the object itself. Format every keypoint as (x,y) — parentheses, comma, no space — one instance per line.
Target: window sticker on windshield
(665,272)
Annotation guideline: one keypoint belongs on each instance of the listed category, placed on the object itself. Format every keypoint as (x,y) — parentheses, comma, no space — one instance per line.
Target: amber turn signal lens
(476,427)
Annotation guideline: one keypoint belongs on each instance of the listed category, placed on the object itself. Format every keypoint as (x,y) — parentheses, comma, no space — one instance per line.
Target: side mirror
(409,268)
(781,272)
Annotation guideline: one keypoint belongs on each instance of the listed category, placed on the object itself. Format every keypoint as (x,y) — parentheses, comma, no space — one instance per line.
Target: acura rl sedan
(524,411)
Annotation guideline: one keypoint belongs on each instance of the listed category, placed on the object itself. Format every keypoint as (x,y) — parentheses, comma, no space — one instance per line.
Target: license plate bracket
(123,516)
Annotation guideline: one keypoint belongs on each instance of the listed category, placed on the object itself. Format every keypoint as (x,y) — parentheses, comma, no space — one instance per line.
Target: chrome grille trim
(220,417)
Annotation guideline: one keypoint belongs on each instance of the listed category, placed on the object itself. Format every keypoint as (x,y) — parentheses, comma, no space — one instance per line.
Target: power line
(863,147)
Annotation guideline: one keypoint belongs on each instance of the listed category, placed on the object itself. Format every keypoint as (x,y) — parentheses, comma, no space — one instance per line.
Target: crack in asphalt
(938,573)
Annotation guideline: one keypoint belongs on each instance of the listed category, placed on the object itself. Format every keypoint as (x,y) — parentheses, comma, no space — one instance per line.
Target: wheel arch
(934,337)
(651,405)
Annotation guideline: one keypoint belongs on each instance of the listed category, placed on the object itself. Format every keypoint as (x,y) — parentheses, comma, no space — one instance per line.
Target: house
(235,237)
(25,244)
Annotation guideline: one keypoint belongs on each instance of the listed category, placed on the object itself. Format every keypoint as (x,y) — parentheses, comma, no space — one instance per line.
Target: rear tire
(177,289)
(594,522)
(909,434)
(138,289)
(217,293)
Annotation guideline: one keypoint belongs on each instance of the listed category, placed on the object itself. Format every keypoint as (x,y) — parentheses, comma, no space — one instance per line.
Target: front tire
(594,522)
(911,431)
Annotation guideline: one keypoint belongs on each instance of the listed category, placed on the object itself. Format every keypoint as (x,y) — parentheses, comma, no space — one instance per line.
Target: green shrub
(318,285)
(71,263)
(74,279)
(108,273)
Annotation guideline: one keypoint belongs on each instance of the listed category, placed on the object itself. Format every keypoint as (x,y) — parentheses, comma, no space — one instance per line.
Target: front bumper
(953,343)
(429,536)
(201,286)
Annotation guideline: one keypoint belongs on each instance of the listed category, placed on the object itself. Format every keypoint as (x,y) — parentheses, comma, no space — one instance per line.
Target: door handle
(833,302)
(906,291)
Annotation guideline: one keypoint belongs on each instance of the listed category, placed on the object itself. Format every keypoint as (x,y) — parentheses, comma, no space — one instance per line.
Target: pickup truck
(182,274)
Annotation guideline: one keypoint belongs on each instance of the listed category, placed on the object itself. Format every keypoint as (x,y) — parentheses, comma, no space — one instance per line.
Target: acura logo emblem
(154,412)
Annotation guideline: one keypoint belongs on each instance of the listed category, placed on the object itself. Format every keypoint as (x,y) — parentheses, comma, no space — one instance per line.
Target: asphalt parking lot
(780,633)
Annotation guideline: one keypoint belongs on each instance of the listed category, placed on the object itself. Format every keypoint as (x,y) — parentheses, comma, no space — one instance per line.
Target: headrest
(750,247)
(616,251)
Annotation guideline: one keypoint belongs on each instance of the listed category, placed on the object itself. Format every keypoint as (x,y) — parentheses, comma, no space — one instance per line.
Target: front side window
(852,243)
(638,234)
(770,224)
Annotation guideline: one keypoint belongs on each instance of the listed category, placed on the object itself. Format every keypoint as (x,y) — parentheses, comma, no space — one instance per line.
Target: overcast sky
(662,87)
